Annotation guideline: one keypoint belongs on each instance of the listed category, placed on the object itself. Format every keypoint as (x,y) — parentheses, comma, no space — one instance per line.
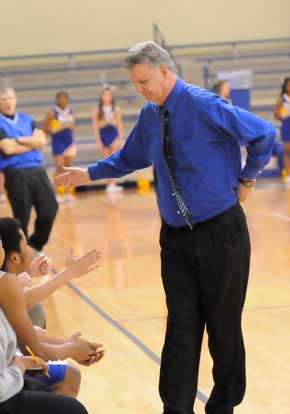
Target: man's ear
(164,70)
(14,257)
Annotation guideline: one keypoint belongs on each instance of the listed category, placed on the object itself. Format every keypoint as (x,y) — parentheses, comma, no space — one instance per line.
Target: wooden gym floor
(122,302)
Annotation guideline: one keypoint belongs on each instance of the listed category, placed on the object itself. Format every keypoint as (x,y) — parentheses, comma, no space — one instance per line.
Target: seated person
(63,376)
(39,266)
(31,396)
(19,260)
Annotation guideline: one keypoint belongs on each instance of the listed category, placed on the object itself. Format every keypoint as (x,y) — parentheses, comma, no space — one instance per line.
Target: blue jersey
(20,126)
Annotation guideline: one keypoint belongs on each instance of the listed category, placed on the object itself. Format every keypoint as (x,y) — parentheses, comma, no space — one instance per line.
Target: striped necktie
(182,209)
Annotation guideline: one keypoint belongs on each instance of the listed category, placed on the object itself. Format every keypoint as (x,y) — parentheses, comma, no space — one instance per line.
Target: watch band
(247,182)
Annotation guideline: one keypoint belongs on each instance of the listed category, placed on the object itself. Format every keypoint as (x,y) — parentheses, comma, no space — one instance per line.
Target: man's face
(20,261)
(8,103)
(150,81)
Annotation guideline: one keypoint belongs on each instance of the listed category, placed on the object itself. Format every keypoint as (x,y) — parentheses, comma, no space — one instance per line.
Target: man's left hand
(244,192)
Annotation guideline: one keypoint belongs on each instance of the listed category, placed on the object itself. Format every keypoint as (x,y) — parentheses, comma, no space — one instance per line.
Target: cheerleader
(108,129)
(282,113)
(60,123)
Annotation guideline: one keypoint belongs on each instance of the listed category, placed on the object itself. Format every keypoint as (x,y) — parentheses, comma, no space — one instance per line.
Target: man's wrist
(247,182)
(66,274)
(17,140)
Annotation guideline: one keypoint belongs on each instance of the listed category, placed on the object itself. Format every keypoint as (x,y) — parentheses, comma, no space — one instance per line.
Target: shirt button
(167,138)
(173,194)
(178,212)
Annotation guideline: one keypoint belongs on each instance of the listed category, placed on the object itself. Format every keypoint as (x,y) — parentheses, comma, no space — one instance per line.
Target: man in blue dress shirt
(205,247)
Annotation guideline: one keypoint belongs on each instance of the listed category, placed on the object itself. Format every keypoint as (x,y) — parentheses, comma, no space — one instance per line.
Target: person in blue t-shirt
(192,137)
(26,181)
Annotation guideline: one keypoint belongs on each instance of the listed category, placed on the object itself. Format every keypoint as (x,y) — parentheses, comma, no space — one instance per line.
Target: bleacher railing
(69,59)
(160,39)
(113,59)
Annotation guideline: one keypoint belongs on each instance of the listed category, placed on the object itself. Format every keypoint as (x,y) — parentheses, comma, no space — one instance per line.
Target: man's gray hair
(5,90)
(148,52)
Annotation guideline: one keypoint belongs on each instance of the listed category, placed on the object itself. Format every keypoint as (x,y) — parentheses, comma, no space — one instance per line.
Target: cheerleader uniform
(62,141)
(108,132)
(285,126)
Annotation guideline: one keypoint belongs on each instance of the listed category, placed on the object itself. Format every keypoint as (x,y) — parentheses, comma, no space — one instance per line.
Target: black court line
(125,332)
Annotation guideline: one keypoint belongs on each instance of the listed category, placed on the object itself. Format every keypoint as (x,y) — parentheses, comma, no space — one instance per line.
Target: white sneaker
(113,188)
(69,197)
(59,198)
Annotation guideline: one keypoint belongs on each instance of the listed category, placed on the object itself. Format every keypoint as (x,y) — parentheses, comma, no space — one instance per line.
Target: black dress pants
(27,188)
(205,275)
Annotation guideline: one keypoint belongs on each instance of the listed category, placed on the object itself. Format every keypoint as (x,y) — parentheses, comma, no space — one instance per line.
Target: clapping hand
(40,266)
(80,265)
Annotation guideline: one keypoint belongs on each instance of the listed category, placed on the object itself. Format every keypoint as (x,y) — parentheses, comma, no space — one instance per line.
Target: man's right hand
(72,176)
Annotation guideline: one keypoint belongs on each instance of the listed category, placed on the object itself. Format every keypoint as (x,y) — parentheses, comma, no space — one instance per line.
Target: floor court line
(280,216)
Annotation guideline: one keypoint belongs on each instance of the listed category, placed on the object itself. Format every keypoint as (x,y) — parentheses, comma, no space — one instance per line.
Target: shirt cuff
(93,171)
(251,171)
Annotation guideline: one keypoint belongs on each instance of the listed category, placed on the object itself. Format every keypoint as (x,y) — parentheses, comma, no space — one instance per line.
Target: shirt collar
(9,119)
(173,97)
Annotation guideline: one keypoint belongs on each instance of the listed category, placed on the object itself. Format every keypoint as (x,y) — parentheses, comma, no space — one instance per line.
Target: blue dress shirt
(205,137)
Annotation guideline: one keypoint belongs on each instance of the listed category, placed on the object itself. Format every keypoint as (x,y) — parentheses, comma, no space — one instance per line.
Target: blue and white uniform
(108,131)
(62,141)
(285,126)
